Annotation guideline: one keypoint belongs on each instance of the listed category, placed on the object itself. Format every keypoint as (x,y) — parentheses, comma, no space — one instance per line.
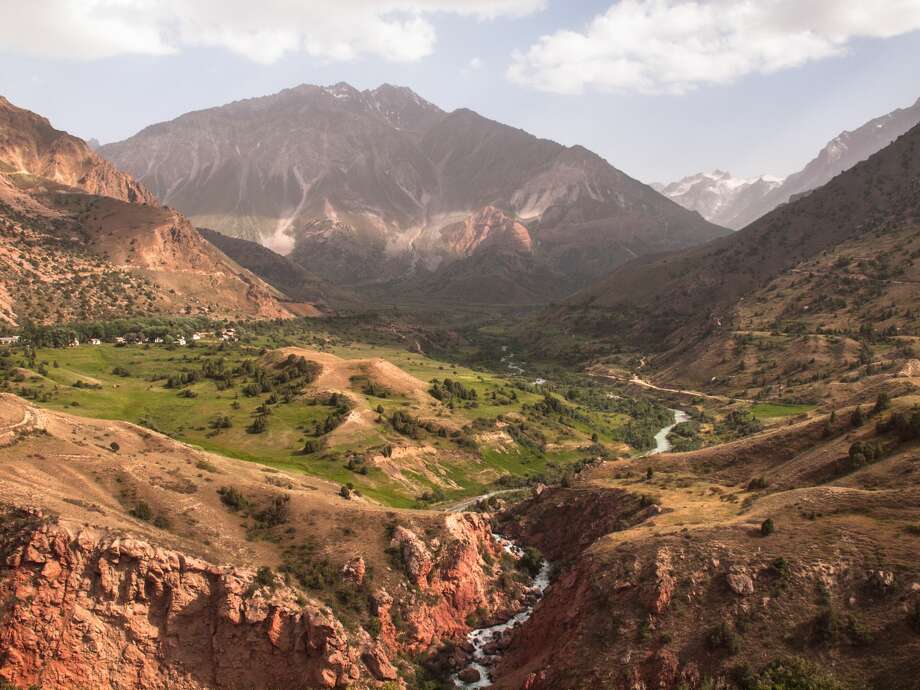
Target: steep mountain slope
(368,187)
(81,240)
(719,197)
(669,579)
(693,290)
(723,200)
(30,145)
(818,293)
(278,271)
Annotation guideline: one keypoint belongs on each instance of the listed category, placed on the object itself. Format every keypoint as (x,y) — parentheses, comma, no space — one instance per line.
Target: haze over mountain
(866,217)
(80,239)
(382,186)
(735,203)
(720,197)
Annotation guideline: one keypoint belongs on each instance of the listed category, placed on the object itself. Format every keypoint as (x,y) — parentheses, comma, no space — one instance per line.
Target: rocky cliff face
(29,144)
(89,608)
(98,244)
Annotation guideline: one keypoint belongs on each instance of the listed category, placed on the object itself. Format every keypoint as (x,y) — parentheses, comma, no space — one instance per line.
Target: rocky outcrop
(488,228)
(93,610)
(451,581)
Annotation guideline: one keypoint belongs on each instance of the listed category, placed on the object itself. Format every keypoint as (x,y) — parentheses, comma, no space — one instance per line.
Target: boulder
(469,675)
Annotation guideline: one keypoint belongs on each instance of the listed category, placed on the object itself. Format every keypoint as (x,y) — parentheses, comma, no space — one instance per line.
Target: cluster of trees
(905,424)
(738,424)
(133,330)
(527,436)
(449,390)
(685,437)
(340,405)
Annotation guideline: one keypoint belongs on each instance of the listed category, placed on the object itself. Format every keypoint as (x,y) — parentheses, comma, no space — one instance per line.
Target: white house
(9,340)
(158,341)
(119,340)
(181,340)
(95,341)
(196,336)
(74,343)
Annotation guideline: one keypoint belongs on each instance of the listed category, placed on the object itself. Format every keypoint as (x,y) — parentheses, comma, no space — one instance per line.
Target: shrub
(121,371)
(114,446)
(313,445)
(259,425)
(276,513)
(857,418)
(826,626)
(233,498)
(793,674)
(724,636)
(767,527)
(882,403)
(531,561)
(142,511)
(913,616)
(757,484)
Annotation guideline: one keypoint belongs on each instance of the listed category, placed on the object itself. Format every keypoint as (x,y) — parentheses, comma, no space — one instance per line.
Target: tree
(259,425)
(882,403)
(858,418)
(767,527)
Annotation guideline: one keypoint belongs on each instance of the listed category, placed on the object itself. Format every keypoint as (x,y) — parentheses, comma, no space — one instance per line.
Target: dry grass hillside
(732,564)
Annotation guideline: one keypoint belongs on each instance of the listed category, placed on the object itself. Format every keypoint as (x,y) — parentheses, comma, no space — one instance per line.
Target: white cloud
(673,46)
(263,31)
(474,65)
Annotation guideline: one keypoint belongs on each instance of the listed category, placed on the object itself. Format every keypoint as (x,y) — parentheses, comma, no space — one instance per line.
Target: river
(662,444)
(481,637)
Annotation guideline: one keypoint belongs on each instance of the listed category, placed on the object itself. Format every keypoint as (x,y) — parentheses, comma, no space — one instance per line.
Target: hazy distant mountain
(365,187)
(736,203)
(719,197)
(872,206)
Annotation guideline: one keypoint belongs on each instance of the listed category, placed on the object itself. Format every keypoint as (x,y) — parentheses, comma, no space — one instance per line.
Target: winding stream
(662,444)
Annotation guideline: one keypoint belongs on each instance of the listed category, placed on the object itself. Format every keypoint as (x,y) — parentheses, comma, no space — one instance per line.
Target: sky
(660,88)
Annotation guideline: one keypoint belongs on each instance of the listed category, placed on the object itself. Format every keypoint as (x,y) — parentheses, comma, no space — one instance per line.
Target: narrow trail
(636,380)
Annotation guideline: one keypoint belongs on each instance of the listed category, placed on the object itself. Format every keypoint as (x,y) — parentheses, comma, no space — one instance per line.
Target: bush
(857,418)
(142,511)
(233,498)
(259,425)
(913,617)
(793,674)
(121,371)
(723,636)
(276,513)
(767,527)
(531,561)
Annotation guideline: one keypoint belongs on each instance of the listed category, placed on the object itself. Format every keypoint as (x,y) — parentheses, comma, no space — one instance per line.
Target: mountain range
(840,261)
(382,190)
(735,203)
